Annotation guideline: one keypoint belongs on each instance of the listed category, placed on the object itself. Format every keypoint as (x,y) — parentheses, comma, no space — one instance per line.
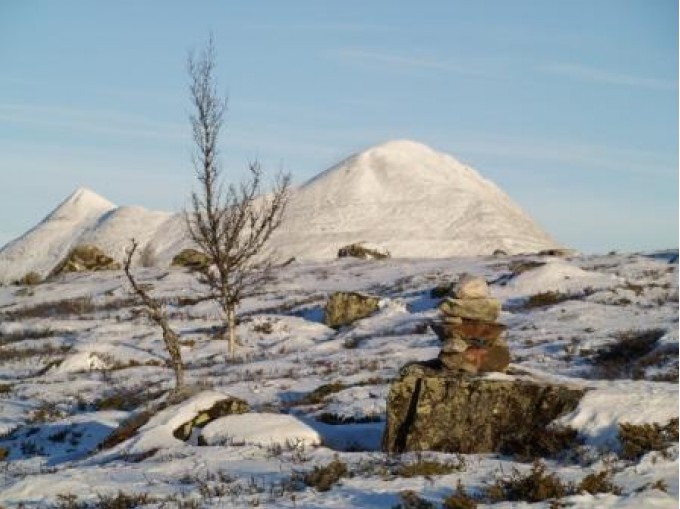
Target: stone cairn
(472,341)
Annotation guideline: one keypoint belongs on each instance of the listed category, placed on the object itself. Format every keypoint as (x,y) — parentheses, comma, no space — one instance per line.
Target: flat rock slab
(432,409)
(484,310)
(468,329)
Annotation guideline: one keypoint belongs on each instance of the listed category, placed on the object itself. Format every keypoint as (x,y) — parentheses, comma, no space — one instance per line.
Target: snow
(402,196)
(285,352)
(69,377)
(263,429)
(556,276)
(603,408)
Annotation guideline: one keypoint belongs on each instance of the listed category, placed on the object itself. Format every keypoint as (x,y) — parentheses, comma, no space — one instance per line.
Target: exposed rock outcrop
(430,408)
(359,250)
(221,408)
(343,308)
(192,259)
(85,258)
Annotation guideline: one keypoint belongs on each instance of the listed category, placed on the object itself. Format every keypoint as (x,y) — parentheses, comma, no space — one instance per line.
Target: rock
(455,345)
(344,308)
(85,258)
(470,287)
(30,279)
(485,310)
(468,330)
(228,406)
(436,410)
(365,253)
(192,259)
(477,359)
(560,252)
(500,252)
(489,331)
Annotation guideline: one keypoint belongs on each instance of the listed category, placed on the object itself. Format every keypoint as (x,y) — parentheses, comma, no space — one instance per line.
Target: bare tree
(157,313)
(233,224)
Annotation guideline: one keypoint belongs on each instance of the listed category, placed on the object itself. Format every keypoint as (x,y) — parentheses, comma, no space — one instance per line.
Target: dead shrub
(126,429)
(545,299)
(460,499)
(637,440)
(19,354)
(411,500)
(599,482)
(535,486)
(323,478)
(628,356)
(319,394)
(430,468)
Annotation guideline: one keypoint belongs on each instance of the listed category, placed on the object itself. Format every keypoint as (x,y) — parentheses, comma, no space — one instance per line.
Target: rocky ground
(86,417)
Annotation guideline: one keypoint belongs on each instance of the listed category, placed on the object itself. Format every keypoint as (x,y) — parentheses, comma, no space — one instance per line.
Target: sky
(570,107)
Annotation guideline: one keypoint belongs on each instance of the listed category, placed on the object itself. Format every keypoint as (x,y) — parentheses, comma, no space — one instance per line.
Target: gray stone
(436,410)
(471,287)
(363,252)
(221,408)
(484,310)
(192,259)
(477,359)
(344,308)
(455,345)
(85,258)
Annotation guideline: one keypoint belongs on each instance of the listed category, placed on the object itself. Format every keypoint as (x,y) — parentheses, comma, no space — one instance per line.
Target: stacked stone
(472,341)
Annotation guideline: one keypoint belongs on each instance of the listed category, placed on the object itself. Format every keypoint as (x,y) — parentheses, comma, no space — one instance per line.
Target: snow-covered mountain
(410,199)
(83,218)
(401,195)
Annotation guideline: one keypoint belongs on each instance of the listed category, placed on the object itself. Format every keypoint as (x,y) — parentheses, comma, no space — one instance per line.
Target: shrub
(599,482)
(319,394)
(30,279)
(545,442)
(459,499)
(626,357)
(535,486)
(411,500)
(638,440)
(126,429)
(429,468)
(323,478)
(544,299)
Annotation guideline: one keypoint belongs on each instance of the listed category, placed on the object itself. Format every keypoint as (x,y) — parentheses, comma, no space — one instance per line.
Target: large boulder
(343,308)
(85,258)
(433,409)
(192,259)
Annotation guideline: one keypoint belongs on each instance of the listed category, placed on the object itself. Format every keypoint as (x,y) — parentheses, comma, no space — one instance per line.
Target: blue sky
(571,107)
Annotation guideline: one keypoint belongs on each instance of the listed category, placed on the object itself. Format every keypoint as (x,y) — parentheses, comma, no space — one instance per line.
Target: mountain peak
(81,203)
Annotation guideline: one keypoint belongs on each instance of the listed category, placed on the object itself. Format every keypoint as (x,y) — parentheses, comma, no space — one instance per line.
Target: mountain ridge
(402,195)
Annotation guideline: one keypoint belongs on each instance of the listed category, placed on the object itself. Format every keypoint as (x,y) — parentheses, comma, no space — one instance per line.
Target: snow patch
(262,429)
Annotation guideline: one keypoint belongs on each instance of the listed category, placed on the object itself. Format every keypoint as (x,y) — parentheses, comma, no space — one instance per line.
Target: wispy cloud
(404,61)
(572,153)
(595,75)
(91,121)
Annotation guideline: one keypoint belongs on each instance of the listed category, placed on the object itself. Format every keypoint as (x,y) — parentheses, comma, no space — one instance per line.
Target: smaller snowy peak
(80,204)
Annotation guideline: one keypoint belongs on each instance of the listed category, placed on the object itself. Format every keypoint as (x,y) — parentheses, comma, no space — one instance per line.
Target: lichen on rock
(85,258)
(344,308)
(430,408)
(192,259)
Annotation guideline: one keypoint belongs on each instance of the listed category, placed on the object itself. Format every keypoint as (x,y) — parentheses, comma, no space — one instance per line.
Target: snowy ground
(77,358)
